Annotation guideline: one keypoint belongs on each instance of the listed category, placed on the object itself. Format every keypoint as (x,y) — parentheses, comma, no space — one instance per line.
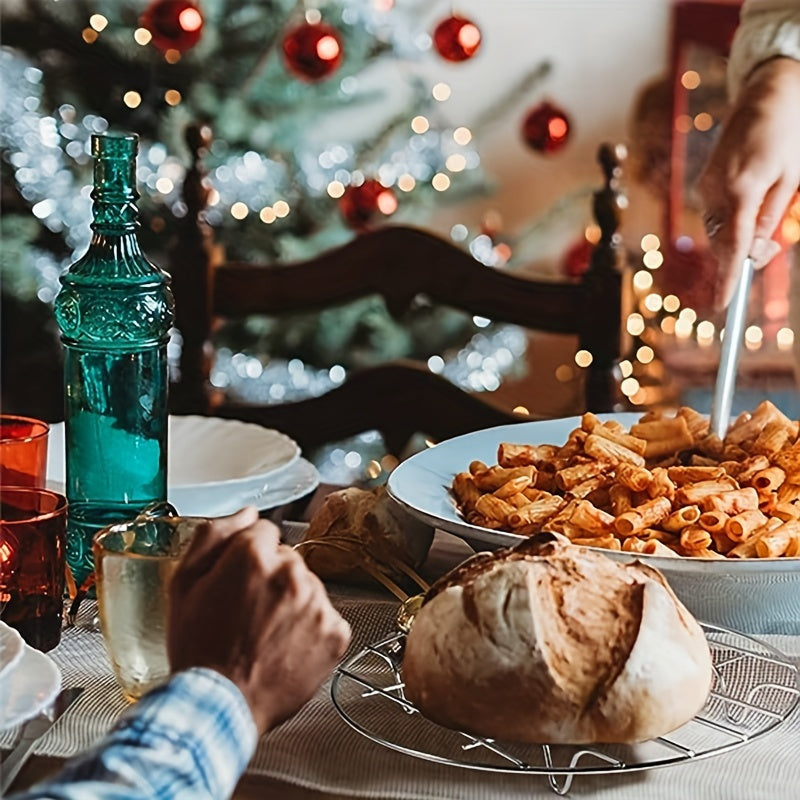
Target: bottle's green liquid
(115,311)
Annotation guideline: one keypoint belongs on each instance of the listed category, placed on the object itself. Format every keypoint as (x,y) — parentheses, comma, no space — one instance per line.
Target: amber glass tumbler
(33,530)
(23,451)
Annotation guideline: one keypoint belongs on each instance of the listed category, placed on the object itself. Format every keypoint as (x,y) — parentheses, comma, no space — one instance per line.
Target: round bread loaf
(556,643)
(355,524)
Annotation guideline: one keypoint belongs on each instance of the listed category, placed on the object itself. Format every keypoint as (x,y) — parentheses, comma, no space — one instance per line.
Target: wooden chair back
(398,263)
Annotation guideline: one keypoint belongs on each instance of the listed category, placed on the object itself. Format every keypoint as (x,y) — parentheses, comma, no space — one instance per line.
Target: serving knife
(731,348)
(32,731)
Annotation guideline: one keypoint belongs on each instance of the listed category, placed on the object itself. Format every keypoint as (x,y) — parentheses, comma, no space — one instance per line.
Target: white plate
(225,451)
(721,592)
(11,647)
(286,486)
(28,688)
(208,456)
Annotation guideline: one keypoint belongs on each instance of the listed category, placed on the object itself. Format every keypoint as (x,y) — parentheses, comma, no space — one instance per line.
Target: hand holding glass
(134,564)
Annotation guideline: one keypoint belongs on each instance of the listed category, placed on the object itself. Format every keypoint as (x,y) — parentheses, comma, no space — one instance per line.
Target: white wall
(602,53)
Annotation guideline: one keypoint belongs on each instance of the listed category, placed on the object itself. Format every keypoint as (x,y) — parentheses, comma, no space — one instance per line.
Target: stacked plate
(29,680)
(219,465)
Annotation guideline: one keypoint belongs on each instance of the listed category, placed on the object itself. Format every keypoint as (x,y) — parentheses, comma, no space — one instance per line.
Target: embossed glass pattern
(115,310)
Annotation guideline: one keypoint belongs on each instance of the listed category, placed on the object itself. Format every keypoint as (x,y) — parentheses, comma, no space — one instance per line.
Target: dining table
(316,755)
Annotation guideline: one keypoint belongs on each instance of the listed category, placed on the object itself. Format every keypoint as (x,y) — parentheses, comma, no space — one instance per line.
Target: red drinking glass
(23,451)
(33,534)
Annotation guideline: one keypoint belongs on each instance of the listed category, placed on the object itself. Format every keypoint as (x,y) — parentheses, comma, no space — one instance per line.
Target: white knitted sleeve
(767,28)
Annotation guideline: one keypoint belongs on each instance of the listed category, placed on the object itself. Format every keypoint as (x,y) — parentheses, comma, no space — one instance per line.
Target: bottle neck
(114,196)
(114,244)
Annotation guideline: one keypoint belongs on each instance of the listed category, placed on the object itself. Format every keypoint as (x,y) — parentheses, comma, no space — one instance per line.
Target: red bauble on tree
(577,258)
(546,128)
(360,205)
(173,24)
(456,38)
(312,51)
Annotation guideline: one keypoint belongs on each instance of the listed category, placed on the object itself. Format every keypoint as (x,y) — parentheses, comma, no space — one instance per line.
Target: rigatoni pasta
(666,487)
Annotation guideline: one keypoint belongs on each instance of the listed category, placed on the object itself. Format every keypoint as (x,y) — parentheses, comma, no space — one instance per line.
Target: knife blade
(32,731)
(731,348)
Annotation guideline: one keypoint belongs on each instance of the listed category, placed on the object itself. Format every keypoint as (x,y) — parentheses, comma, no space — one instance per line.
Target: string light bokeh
(421,157)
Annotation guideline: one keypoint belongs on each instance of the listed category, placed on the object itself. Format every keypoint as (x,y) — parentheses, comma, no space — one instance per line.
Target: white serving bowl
(749,595)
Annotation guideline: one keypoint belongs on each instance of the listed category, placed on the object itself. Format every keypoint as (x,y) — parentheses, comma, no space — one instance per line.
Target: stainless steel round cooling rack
(755,689)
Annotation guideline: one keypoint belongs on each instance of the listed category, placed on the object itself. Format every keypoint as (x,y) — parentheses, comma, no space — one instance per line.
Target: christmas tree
(309,143)
(324,123)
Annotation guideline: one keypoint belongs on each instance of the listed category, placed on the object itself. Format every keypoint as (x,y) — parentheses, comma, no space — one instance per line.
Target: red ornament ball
(577,258)
(546,128)
(173,24)
(360,205)
(312,51)
(456,38)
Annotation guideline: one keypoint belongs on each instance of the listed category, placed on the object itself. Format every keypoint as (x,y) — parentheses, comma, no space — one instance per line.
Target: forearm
(189,739)
(768,29)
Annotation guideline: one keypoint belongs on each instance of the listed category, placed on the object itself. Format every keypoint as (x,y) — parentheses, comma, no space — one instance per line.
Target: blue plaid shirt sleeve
(191,738)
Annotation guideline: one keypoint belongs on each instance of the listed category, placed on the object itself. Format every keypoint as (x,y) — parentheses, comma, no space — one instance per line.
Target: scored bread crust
(563,647)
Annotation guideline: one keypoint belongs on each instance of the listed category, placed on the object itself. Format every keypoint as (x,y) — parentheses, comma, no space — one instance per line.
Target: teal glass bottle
(115,309)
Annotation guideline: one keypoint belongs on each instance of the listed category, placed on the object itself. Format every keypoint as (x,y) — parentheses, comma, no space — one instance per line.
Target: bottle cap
(115,145)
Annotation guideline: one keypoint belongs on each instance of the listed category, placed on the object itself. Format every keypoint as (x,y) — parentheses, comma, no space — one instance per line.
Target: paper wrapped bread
(550,642)
(354,524)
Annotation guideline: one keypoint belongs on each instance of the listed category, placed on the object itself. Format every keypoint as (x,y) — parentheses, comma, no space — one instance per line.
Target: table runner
(317,749)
